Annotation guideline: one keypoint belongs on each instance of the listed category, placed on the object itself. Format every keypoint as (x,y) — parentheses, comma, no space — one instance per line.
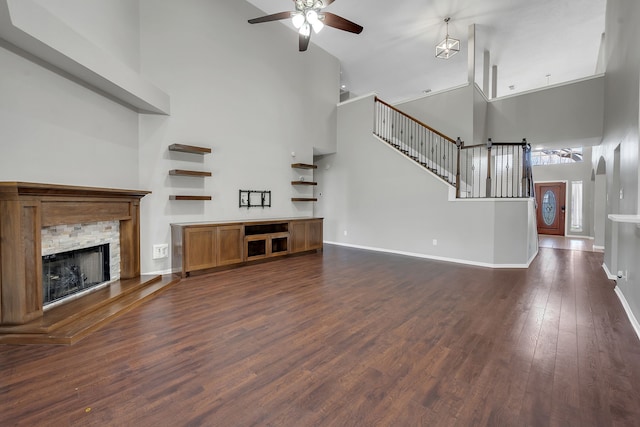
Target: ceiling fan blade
(268,18)
(304,42)
(340,23)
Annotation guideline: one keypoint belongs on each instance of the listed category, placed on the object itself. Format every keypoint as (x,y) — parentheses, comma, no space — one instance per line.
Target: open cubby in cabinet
(190,149)
(266,240)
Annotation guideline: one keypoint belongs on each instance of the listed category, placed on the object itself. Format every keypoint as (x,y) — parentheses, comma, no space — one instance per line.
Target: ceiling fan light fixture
(315,19)
(312,16)
(305,30)
(449,46)
(297,20)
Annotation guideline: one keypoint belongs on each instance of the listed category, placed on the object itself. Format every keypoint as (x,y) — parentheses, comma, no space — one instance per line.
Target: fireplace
(73,272)
(28,208)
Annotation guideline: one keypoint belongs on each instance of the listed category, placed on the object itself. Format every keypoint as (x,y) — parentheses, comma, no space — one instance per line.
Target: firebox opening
(68,273)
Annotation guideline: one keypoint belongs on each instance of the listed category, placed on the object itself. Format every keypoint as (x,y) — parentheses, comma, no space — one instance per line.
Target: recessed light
(512,87)
(427,90)
(343,86)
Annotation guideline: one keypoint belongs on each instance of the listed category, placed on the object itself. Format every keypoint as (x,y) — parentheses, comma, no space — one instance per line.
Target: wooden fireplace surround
(27,207)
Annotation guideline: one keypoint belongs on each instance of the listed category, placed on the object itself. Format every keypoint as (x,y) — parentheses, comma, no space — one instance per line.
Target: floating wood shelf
(303,166)
(182,172)
(304,199)
(189,149)
(189,197)
(303,183)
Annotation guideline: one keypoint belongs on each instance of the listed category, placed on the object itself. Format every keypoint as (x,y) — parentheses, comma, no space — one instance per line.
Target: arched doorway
(600,204)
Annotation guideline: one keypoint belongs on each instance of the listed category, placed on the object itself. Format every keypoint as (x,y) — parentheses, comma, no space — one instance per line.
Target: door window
(548,207)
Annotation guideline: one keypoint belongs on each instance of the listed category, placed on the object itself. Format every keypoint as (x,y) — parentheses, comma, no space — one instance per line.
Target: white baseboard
(155,273)
(579,236)
(627,309)
(434,257)
(608,273)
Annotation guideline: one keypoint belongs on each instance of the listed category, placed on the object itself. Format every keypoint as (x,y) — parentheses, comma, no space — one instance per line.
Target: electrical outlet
(160,251)
(435,242)
(345,232)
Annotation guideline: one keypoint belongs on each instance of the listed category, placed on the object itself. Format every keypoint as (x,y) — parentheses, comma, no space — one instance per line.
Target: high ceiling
(532,43)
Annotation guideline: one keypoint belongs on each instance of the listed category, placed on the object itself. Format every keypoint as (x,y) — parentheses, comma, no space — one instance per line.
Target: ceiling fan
(309,15)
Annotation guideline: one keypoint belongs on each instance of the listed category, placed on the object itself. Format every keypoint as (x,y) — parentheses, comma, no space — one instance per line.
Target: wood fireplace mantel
(27,207)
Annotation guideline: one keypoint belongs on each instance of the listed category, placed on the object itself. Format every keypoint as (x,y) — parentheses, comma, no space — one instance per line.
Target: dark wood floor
(348,338)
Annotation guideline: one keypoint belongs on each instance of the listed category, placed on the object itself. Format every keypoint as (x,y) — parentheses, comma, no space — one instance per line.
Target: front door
(550,199)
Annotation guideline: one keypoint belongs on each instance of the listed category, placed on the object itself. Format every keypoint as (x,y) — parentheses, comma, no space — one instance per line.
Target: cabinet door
(314,234)
(298,236)
(230,244)
(199,248)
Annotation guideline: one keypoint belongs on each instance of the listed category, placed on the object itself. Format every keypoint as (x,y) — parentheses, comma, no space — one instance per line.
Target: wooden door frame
(566,198)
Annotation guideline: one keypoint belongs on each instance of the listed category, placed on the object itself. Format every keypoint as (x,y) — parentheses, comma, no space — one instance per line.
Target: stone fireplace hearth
(27,208)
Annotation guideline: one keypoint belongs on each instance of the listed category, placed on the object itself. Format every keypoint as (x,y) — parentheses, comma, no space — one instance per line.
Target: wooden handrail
(495,144)
(416,120)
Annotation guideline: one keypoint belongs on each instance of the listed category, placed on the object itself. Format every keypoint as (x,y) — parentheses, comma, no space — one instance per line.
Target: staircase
(431,149)
(491,170)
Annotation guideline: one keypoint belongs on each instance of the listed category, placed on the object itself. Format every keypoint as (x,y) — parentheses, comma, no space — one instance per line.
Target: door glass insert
(548,207)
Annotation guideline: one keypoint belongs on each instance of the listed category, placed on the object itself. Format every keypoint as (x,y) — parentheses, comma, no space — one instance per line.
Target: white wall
(480,110)
(243,90)
(384,200)
(567,115)
(621,95)
(448,111)
(112,25)
(599,210)
(53,130)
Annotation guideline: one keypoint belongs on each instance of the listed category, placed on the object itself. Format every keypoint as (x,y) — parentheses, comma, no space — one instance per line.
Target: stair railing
(496,169)
(425,145)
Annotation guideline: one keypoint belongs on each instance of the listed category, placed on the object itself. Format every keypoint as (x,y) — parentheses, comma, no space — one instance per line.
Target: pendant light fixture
(449,46)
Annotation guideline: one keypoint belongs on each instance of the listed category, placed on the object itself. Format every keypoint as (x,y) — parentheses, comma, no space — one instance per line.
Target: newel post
(488,190)
(525,166)
(527,176)
(459,144)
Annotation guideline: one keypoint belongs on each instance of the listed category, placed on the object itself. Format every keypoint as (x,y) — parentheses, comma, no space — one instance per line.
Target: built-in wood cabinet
(306,235)
(200,244)
(229,244)
(204,246)
(210,247)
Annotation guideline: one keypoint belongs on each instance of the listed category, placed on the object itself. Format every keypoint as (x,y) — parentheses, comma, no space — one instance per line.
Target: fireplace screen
(67,273)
